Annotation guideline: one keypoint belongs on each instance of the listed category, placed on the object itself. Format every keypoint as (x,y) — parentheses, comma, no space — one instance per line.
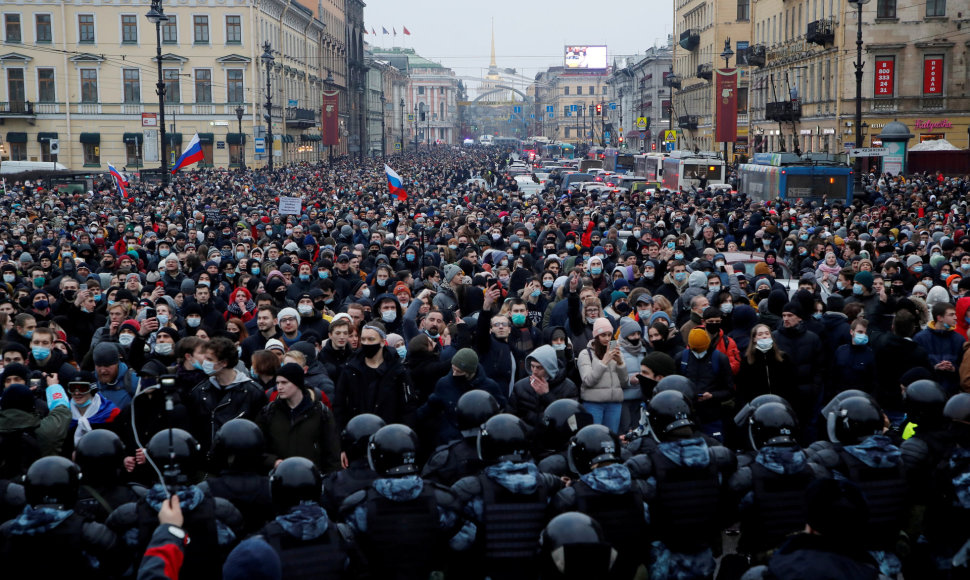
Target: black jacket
(391,396)
(211,407)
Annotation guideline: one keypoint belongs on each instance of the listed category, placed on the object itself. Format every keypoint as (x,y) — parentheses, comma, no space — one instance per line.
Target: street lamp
(402,124)
(428,135)
(268,59)
(156,16)
(362,133)
(857,165)
(415,128)
(383,130)
(726,54)
(242,140)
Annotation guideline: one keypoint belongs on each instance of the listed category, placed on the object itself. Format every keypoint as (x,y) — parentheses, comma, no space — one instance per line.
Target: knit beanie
(106,354)
(288,312)
(762,269)
(401,287)
(450,271)
(698,340)
(602,325)
(253,559)
(660,363)
(794,307)
(629,326)
(131,325)
(17,397)
(466,360)
(864,278)
(293,373)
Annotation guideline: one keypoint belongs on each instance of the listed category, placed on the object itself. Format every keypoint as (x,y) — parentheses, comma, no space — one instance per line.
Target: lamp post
(362,132)
(857,166)
(268,60)
(156,15)
(415,128)
(328,82)
(383,131)
(242,140)
(726,54)
(403,104)
(428,133)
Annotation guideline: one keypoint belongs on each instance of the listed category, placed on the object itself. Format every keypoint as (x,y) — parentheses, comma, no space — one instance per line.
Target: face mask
(764,344)
(254,270)
(518,319)
(452,246)
(679,256)
(164,348)
(680,276)
(646,385)
(126,339)
(164,252)
(917,268)
(559,347)
(727,308)
(590,320)
(649,274)
(304,309)
(39,281)
(713,327)
(596,271)
(40,352)
(547,283)
(9,278)
(402,351)
(365,293)
(409,257)
(193,322)
(432,334)
(671,245)
(802,252)
(323,274)
(714,288)
(860,339)
(817,316)
(857,289)
(698,354)
(41,304)
(570,245)
(209,367)
(789,248)
(304,277)
(803,237)
(369,350)
(389,316)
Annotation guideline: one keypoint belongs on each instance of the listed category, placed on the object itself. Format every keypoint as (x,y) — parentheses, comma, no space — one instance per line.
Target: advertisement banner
(933,75)
(328,117)
(885,68)
(727,105)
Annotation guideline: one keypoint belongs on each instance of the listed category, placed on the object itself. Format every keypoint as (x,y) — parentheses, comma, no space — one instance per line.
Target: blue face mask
(679,256)
(518,319)
(240,255)
(409,257)
(304,277)
(254,271)
(402,351)
(918,268)
(596,271)
(680,276)
(548,283)
(857,289)
(323,274)
(535,293)
(817,316)
(40,352)
(209,367)
(164,252)
(671,245)
(382,282)
(97,297)
(860,339)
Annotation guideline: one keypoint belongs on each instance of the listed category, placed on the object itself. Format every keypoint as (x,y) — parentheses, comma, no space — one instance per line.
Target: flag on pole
(120,181)
(385,30)
(394,30)
(394,184)
(406,31)
(372,31)
(192,154)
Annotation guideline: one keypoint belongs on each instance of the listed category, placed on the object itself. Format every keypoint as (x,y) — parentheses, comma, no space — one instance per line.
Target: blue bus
(620,161)
(790,177)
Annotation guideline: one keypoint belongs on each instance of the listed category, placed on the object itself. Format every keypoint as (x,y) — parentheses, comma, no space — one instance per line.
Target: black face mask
(713,328)
(369,350)
(646,385)
(622,308)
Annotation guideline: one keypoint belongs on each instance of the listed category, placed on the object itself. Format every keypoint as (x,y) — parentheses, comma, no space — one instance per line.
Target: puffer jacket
(601,383)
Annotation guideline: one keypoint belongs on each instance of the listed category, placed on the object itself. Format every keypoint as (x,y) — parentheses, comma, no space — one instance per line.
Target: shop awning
(173,138)
(236,138)
(13,137)
(91,138)
(133,138)
(634,134)
(206,138)
(46,136)
(287,138)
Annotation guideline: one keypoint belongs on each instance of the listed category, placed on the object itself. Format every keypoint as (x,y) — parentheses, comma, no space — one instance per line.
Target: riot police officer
(357,475)
(100,455)
(455,460)
(642,439)
(573,546)
(606,492)
(923,402)
(561,420)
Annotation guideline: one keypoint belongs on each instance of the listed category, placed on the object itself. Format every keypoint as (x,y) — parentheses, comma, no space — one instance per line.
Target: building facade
(638,90)
(566,102)
(82,76)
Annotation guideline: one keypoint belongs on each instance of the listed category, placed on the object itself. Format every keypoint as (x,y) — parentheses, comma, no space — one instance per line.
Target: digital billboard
(585,57)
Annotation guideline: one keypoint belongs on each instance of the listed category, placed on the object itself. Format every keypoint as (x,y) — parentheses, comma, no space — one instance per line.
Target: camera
(168,384)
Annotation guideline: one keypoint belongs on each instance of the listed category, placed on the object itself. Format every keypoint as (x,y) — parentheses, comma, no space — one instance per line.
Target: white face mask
(126,339)
(164,348)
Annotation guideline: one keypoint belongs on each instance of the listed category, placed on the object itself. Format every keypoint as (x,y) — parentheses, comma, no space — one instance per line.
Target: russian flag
(192,154)
(394,184)
(120,181)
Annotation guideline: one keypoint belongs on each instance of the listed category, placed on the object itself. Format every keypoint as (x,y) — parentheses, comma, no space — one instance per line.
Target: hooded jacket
(212,405)
(440,413)
(390,396)
(601,383)
(530,405)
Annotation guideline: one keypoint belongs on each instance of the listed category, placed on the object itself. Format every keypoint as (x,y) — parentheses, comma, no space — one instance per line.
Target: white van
(7,167)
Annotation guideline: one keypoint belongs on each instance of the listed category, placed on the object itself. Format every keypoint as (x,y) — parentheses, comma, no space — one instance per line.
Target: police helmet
(772,424)
(393,451)
(52,480)
(667,411)
(854,420)
(356,435)
(100,455)
(593,444)
(958,408)
(504,437)
(239,444)
(178,443)
(832,405)
(474,408)
(675,383)
(573,546)
(744,415)
(924,402)
(561,420)
(294,480)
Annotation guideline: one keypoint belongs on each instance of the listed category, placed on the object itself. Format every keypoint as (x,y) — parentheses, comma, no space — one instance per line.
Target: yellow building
(573,96)
(83,75)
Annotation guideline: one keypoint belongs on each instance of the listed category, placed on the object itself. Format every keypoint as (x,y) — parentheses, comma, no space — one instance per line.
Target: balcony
(300,118)
(688,122)
(756,55)
(17,110)
(690,39)
(705,71)
(821,32)
(672,81)
(783,111)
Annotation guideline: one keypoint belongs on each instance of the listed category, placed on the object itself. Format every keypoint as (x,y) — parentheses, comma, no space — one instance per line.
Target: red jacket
(726,345)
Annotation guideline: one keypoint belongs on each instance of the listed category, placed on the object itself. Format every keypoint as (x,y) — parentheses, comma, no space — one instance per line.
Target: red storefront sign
(885,69)
(933,75)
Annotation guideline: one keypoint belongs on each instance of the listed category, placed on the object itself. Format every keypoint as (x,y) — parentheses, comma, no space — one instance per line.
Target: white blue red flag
(120,180)
(192,154)
(394,184)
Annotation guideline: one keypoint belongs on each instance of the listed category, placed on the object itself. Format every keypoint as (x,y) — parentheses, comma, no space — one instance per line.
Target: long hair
(753,350)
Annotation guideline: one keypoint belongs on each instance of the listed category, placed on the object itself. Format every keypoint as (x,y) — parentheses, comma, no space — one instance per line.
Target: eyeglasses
(500,324)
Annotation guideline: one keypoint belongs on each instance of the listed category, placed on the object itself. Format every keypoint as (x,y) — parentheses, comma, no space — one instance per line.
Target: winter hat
(616,295)
(660,363)
(762,269)
(913,260)
(15,370)
(131,325)
(17,397)
(602,325)
(106,354)
(274,344)
(306,347)
(401,287)
(293,373)
(628,326)
(697,279)
(698,339)
(864,278)
(188,286)
(466,360)
(253,559)
(450,271)
(794,307)
(287,313)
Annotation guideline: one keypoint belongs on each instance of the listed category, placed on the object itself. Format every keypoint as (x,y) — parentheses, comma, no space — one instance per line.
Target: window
(233,30)
(133,154)
(11,25)
(567,132)
(441,90)
(132,85)
(18,152)
(92,154)
(886,9)
(567,90)
(172,88)
(744,10)
(579,90)
(45,85)
(203,85)
(43,29)
(665,112)
(935,8)
(742,100)
(45,152)
(206,154)
(200,29)
(89,85)
(85,28)
(170,31)
(592,90)
(234,86)
(606,90)
(129,28)
(16,90)
(420,90)
(441,111)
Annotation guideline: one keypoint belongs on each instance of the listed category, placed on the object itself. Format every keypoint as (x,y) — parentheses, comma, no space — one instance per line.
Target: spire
(492,65)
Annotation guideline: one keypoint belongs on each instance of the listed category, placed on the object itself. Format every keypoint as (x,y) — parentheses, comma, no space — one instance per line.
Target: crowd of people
(470,380)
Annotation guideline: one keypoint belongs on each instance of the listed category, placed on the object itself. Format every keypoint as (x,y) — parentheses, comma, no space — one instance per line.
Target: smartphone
(612,344)
(35,384)
(83,287)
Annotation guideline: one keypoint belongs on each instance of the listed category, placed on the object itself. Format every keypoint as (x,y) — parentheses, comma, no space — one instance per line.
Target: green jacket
(49,431)
(310,432)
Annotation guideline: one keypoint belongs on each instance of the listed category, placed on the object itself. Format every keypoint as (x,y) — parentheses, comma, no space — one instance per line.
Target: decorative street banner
(727,105)
(933,75)
(885,70)
(328,118)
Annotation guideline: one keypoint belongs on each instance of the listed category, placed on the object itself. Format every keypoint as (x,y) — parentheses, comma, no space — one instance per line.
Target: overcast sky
(529,36)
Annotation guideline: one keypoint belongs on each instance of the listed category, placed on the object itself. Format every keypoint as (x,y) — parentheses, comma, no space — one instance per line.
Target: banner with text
(727,105)
(328,117)
(933,75)
(885,70)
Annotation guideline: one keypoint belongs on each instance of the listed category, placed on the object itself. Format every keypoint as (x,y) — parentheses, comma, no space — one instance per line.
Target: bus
(787,176)
(618,160)
(684,169)
(649,166)
(558,151)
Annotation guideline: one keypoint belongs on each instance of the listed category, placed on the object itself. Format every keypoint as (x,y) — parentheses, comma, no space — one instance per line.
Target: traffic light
(599,109)
(621,139)
(653,146)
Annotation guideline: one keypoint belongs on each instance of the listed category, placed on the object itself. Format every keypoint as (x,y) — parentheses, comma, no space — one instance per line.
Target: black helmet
(772,424)
(593,444)
(832,405)
(669,410)
(294,480)
(100,455)
(52,480)
(239,444)
(504,437)
(561,420)
(958,408)
(854,420)
(357,433)
(393,451)
(573,546)
(744,415)
(474,408)
(923,402)
(185,448)
(675,383)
